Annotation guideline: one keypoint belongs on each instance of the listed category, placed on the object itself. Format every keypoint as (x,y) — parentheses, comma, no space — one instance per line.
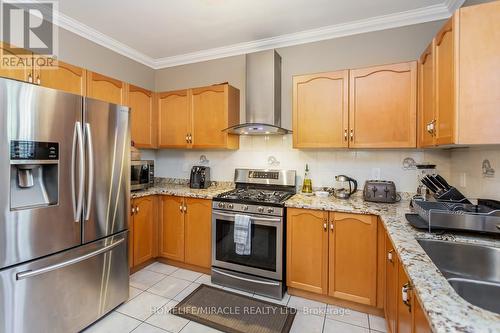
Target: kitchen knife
(443,181)
(438,183)
(429,185)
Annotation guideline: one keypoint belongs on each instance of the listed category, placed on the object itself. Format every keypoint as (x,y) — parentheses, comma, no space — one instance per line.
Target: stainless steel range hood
(263,96)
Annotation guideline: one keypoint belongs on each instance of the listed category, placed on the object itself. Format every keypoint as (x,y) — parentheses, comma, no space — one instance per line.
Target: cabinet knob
(184,209)
(180,208)
(331,226)
(405,295)
(137,209)
(352,134)
(325,226)
(38,79)
(133,210)
(345,134)
(30,78)
(389,255)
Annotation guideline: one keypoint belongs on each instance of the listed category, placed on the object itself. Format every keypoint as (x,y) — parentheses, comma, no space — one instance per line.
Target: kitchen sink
(472,270)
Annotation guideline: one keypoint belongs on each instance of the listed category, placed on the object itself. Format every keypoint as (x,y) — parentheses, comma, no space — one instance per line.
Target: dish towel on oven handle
(242,234)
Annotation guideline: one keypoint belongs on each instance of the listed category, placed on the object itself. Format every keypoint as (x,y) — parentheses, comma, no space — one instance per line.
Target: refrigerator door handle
(90,152)
(78,201)
(30,273)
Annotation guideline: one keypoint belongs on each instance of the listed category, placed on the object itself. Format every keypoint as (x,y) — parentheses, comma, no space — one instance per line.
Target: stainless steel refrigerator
(64,203)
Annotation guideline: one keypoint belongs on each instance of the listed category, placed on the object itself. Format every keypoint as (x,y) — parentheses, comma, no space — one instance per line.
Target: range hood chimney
(263,96)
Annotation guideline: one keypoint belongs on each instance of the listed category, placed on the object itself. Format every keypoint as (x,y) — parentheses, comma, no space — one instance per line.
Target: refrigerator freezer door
(67,291)
(37,212)
(107,146)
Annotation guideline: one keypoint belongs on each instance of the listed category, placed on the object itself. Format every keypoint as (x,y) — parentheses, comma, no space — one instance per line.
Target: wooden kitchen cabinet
(466,90)
(143,117)
(198,232)
(144,229)
(320,110)
(307,250)
(391,286)
(332,254)
(174,119)
(353,257)
(196,118)
(106,88)
(23,71)
(404,322)
(419,320)
(63,77)
(426,98)
(383,106)
(172,228)
(213,109)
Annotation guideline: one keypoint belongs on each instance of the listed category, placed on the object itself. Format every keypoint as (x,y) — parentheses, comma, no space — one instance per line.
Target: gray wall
(387,46)
(81,52)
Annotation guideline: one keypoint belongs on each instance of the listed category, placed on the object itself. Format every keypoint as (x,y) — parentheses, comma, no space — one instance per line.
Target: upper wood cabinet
(320,110)
(174,119)
(106,88)
(23,70)
(144,229)
(353,258)
(63,77)
(172,228)
(466,89)
(382,106)
(198,231)
(426,105)
(143,118)
(213,109)
(195,118)
(307,250)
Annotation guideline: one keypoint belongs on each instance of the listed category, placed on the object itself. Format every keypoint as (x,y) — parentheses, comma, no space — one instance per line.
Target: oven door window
(263,253)
(139,175)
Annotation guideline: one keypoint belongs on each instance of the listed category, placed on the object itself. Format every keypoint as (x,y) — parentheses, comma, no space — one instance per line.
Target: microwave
(142,174)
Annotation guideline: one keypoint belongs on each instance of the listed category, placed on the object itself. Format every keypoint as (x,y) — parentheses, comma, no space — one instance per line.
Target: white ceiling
(163,33)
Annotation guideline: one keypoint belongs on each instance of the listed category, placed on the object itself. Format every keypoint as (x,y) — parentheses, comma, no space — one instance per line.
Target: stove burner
(256,195)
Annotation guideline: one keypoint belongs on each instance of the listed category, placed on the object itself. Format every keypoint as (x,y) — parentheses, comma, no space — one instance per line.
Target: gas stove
(257,191)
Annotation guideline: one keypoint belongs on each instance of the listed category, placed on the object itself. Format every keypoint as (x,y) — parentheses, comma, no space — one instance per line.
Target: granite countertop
(181,188)
(445,309)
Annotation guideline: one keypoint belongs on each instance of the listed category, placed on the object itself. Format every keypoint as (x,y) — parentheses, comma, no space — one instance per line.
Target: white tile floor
(157,288)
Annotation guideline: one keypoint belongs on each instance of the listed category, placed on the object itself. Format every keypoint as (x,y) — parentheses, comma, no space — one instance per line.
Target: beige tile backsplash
(324,164)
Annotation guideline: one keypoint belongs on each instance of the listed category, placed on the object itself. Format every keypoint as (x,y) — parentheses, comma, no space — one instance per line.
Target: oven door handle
(266,219)
(245,279)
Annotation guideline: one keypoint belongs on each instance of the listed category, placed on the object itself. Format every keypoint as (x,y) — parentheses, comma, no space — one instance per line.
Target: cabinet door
(198,232)
(382,106)
(20,65)
(320,110)
(210,107)
(172,228)
(63,77)
(353,258)
(174,119)
(479,59)
(144,229)
(307,250)
(445,84)
(426,120)
(106,88)
(143,120)
(131,236)
(391,286)
(420,323)
(404,322)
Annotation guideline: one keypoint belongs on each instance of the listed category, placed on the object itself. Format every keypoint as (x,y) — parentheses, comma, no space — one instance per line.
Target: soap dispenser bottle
(307,184)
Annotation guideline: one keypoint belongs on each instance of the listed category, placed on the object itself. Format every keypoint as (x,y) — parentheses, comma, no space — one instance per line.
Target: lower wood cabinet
(185,232)
(143,243)
(332,254)
(403,312)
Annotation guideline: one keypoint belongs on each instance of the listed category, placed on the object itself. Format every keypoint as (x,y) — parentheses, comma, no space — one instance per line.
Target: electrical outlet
(376,173)
(463,179)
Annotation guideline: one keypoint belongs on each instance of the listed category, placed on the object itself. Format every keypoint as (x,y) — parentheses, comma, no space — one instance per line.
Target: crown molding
(410,17)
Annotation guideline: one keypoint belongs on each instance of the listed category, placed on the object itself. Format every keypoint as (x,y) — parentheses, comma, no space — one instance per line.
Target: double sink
(472,270)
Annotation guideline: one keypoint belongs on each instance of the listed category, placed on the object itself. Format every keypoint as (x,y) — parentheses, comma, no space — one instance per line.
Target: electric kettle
(343,193)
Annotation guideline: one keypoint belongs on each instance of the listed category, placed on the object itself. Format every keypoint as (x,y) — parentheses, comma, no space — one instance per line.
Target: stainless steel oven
(142,174)
(265,259)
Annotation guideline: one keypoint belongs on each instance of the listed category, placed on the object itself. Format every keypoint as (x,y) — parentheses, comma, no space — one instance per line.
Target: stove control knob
(245,207)
(220,205)
(230,206)
(270,210)
(260,209)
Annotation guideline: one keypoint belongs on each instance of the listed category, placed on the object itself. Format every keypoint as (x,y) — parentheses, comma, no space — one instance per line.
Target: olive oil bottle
(307,184)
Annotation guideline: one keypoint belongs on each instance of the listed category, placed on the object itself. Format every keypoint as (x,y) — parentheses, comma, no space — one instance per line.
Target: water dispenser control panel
(34,150)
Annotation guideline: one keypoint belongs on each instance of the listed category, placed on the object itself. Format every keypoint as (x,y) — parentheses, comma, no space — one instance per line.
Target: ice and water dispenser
(34,174)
